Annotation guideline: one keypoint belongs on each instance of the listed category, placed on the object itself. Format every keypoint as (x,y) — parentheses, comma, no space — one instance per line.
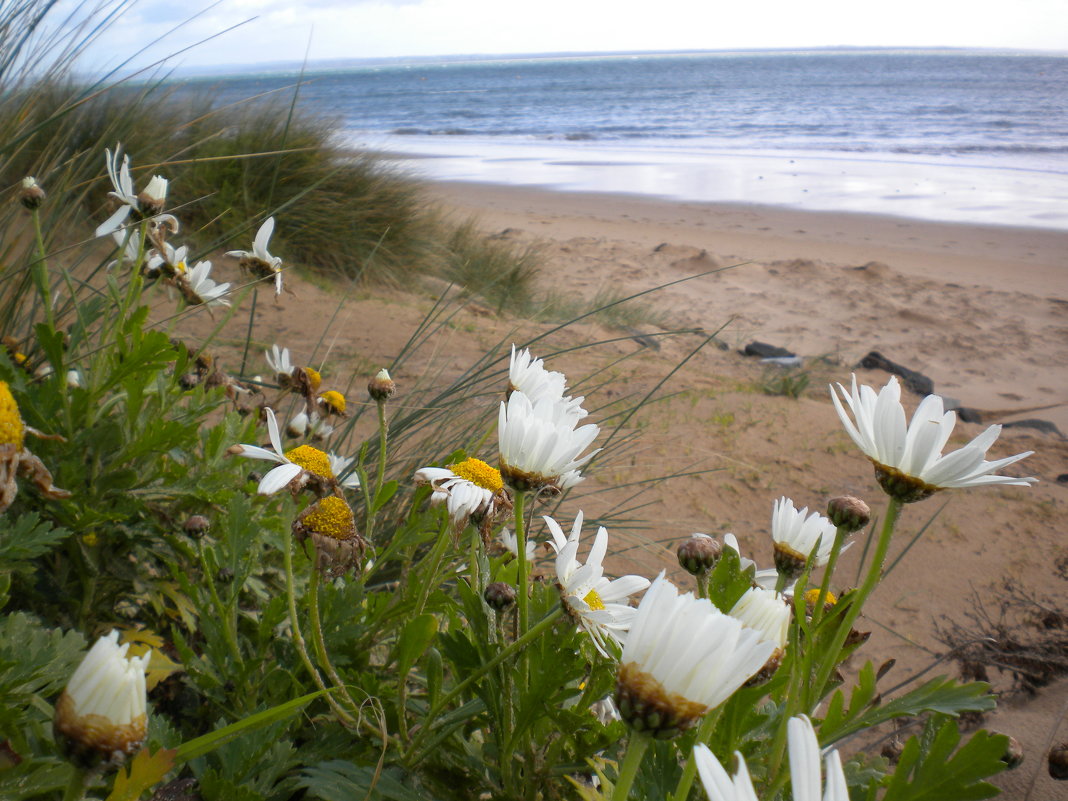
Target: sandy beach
(982,311)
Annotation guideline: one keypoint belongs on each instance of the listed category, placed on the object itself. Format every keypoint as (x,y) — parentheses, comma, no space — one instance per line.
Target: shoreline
(1005,191)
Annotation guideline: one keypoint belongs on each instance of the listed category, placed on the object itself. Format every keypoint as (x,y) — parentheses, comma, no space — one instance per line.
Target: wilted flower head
(331,525)
(470,488)
(682,658)
(147,205)
(381,388)
(16,458)
(597,604)
(102,710)
(31,195)
(908,460)
(199,289)
(258,261)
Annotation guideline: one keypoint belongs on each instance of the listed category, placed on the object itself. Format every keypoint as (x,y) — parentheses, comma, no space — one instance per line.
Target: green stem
(522,596)
(318,640)
(40,274)
(298,638)
(825,585)
(702,584)
(435,558)
(704,731)
(875,570)
(516,647)
(631,762)
(380,473)
(220,610)
(79,779)
(507,691)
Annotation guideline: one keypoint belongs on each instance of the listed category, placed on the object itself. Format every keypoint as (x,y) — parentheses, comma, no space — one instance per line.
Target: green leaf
(27,538)
(191,749)
(414,639)
(941,695)
(389,489)
(931,771)
(338,780)
(728,582)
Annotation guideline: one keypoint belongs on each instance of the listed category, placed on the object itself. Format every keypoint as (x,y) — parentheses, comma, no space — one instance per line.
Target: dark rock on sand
(1045,426)
(917,382)
(766,351)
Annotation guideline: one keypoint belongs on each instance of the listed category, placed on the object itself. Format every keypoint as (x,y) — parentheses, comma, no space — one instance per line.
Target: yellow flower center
(335,400)
(813,595)
(331,517)
(314,379)
(21,358)
(12,429)
(478,472)
(311,459)
(180,267)
(593,600)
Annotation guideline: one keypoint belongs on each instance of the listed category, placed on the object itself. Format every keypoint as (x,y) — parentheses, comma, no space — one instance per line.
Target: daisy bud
(32,195)
(699,554)
(848,512)
(1058,761)
(381,388)
(102,710)
(1014,754)
(154,197)
(499,596)
(196,526)
(892,750)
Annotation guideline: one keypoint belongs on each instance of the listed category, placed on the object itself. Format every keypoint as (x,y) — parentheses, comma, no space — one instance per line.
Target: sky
(284,30)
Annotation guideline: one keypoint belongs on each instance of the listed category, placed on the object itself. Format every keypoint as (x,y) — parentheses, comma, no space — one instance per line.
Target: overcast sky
(284,29)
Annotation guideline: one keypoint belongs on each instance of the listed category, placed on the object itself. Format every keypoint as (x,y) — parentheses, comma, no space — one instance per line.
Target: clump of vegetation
(789,382)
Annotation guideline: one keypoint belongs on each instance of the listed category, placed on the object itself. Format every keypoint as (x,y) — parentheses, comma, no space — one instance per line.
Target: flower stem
(875,570)
(704,731)
(631,762)
(380,473)
(522,597)
(40,273)
(825,585)
(220,610)
(702,584)
(79,779)
(435,558)
(298,639)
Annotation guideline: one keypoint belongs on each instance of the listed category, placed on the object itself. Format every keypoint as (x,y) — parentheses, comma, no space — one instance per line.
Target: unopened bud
(699,554)
(893,749)
(1014,754)
(196,526)
(1058,761)
(152,200)
(189,381)
(499,595)
(848,512)
(381,388)
(32,195)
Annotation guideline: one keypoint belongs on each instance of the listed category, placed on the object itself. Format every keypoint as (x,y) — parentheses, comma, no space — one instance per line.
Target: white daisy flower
(339,464)
(908,460)
(719,786)
(796,536)
(146,205)
(529,376)
(539,443)
(805,765)
(279,361)
(311,425)
(765,611)
(510,542)
(470,487)
(682,658)
(597,604)
(103,707)
(198,289)
(259,261)
(296,467)
(167,260)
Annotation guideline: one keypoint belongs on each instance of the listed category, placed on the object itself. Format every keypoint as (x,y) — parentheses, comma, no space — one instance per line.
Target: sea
(953,135)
